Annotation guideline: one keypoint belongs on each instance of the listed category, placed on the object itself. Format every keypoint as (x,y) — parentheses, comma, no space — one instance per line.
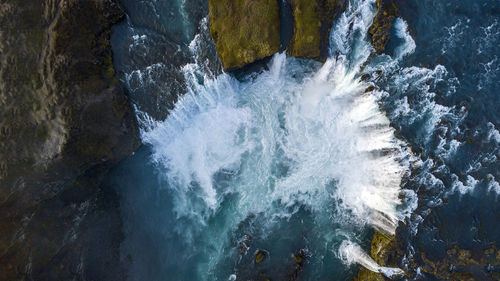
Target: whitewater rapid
(297,135)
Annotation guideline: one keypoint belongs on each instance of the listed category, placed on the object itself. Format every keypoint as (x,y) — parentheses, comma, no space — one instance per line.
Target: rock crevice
(245,31)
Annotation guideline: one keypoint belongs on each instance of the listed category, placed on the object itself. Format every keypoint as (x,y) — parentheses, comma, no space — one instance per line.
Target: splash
(352,253)
(295,135)
(324,127)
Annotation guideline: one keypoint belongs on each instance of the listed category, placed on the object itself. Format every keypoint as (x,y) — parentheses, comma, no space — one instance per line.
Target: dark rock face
(380,30)
(64,121)
(313,22)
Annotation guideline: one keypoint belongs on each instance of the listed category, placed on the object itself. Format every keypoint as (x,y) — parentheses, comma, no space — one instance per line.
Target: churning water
(298,157)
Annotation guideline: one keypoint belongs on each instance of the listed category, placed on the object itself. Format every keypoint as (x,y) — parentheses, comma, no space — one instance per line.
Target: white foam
(330,131)
(141,77)
(455,34)
(493,185)
(351,253)
(408,47)
(200,137)
(350,31)
(493,133)
(335,148)
(462,187)
(425,108)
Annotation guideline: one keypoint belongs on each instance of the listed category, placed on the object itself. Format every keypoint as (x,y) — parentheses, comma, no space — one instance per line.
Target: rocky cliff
(64,121)
(248,30)
(313,22)
(244,30)
(380,30)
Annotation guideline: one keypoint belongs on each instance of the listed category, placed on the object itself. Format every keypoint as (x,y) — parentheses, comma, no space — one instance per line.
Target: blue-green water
(297,157)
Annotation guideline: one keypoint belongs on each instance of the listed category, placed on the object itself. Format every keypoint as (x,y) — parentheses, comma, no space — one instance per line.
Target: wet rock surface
(244,30)
(380,30)
(313,22)
(64,122)
(463,264)
(152,46)
(456,263)
(384,250)
(260,256)
(299,258)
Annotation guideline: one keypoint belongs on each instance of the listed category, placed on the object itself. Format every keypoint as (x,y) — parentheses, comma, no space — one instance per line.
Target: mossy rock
(384,251)
(313,22)
(464,264)
(260,256)
(380,30)
(367,275)
(244,31)
(457,264)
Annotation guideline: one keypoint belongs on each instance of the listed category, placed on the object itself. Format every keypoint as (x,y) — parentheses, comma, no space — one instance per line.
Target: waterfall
(297,134)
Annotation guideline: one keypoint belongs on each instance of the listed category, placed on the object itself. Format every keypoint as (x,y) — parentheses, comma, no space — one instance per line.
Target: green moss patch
(380,30)
(244,30)
(313,22)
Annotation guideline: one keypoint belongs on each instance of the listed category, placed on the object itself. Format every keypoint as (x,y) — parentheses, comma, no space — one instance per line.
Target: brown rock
(313,22)
(259,256)
(380,30)
(462,264)
(244,30)
(384,251)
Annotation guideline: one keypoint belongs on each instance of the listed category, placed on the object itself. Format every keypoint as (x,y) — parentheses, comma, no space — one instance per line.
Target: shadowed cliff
(64,121)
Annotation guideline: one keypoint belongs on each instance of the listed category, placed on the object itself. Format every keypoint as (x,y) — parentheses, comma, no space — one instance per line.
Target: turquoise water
(296,157)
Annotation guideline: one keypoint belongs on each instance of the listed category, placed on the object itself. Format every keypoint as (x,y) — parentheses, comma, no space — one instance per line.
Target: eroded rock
(244,30)
(313,22)
(463,264)
(384,251)
(456,264)
(64,121)
(380,30)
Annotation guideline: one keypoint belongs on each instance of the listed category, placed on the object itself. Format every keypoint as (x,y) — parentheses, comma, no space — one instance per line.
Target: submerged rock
(299,258)
(313,22)
(64,121)
(244,30)
(380,30)
(463,264)
(259,256)
(456,264)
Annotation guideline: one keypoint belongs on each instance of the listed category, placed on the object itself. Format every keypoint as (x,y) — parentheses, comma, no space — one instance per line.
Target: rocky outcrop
(248,30)
(384,251)
(456,264)
(64,121)
(244,30)
(380,30)
(313,22)
(462,264)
